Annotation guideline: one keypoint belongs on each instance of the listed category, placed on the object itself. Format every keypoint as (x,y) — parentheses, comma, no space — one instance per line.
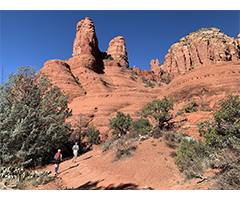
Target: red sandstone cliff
(99,84)
(201,48)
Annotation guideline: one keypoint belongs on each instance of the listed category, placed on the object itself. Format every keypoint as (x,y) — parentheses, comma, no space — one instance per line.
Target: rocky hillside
(99,84)
(203,47)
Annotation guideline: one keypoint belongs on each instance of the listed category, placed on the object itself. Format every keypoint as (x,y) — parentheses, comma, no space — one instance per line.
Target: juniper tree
(32,118)
(159,110)
(92,134)
(141,126)
(120,124)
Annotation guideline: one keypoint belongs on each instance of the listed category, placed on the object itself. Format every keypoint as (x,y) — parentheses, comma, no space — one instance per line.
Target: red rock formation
(200,48)
(60,74)
(86,41)
(98,93)
(238,41)
(117,50)
(205,83)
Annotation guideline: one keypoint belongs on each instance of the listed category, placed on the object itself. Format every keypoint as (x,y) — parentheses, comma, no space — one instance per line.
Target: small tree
(120,124)
(141,127)
(159,110)
(92,134)
(32,119)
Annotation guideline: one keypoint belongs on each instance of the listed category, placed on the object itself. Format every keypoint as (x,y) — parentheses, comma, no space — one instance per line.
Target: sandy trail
(150,167)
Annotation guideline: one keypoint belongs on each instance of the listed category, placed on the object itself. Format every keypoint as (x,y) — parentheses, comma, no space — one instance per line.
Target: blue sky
(31,38)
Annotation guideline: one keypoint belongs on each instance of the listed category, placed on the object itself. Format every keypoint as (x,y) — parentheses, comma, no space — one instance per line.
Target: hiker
(75,149)
(58,159)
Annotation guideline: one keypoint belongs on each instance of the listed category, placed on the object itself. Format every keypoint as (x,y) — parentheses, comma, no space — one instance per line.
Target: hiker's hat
(59,150)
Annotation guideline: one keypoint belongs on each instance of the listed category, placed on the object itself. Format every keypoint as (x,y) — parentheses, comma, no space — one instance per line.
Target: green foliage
(205,107)
(148,83)
(192,158)
(174,137)
(120,124)
(92,134)
(32,119)
(166,80)
(108,57)
(159,110)
(77,80)
(140,126)
(191,107)
(222,136)
(224,130)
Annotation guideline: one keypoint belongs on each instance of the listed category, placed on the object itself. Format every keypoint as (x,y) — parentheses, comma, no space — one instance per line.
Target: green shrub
(140,127)
(120,124)
(32,119)
(205,107)
(192,158)
(148,83)
(160,111)
(222,138)
(92,134)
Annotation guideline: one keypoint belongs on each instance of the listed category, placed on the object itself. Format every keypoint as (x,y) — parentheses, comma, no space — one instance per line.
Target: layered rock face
(210,83)
(100,84)
(98,87)
(117,50)
(86,41)
(200,48)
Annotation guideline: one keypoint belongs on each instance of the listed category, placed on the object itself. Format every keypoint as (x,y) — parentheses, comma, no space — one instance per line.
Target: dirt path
(151,167)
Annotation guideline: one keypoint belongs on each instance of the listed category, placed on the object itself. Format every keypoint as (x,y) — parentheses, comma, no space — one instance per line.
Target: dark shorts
(57,161)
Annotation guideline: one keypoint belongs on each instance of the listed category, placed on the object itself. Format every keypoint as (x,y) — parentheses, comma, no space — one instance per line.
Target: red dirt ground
(150,168)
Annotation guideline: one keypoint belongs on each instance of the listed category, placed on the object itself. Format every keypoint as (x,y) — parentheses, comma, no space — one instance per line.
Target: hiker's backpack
(75,147)
(58,156)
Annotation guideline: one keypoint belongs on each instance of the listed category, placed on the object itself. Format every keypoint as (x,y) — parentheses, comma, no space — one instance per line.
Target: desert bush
(92,134)
(120,124)
(192,158)
(124,152)
(124,147)
(32,119)
(205,107)
(19,178)
(174,137)
(191,107)
(107,145)
(140,127)
(160,111)
(148,83)
(172,140)
(222,136)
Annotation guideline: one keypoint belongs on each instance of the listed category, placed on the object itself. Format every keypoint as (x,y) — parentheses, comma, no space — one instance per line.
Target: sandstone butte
(204,65)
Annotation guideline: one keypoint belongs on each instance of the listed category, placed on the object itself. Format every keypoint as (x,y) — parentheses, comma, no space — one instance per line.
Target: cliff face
(201,48)
(99,84)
